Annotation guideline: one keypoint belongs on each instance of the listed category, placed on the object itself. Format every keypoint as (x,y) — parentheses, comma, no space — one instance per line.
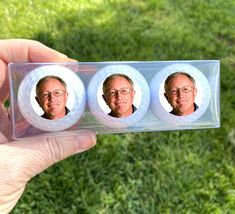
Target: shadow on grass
(135,173)
(129,31)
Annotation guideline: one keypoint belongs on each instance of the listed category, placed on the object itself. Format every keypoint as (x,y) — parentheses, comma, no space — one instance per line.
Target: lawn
(156,172)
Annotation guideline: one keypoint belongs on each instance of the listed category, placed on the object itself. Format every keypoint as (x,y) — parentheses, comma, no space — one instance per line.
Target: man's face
(52,98)
(119,96)
(181,95)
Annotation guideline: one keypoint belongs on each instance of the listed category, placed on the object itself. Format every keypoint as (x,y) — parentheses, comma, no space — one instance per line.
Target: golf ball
(74,84)
(94,94)
(158,105)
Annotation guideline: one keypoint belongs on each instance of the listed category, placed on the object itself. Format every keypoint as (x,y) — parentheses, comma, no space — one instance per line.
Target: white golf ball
(73,82)
(157,94)
(143,94)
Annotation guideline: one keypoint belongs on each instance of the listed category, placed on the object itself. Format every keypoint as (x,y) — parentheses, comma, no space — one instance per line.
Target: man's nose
(51,97)
(180,91)
(117,93)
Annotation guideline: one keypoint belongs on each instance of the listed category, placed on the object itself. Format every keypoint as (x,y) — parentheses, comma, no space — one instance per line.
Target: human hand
(22,160)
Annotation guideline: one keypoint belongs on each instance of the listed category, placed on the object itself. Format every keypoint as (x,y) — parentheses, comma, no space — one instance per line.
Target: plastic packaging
(155,106)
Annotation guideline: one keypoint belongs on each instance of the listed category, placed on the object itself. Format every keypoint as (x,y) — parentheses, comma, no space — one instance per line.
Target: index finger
(22,50)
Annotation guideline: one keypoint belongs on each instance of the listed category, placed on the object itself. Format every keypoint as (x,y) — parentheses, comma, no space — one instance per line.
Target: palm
(22,160)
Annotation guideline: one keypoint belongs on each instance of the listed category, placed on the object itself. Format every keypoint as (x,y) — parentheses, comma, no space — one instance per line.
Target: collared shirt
(133,110)
(195,108)
(45,116)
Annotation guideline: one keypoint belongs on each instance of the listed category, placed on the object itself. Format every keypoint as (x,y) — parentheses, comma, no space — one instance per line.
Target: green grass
(159,172)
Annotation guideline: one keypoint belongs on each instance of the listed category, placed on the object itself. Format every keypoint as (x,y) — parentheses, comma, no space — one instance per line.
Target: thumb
(52,150)
(30,157)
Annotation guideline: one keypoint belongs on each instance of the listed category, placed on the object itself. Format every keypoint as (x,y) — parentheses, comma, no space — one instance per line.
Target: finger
(5,127)
(33,156)
(21,50)
(3,139)
(4,84)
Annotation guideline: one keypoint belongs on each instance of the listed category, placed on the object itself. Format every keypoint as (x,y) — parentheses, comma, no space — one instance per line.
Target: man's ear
(104,98)
(195,92)
(67,95)
(36,98)
(133,92)
(165,94)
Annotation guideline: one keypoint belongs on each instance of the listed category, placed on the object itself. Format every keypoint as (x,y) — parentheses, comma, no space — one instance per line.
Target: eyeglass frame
(171,92)
(113,93)
(46,95)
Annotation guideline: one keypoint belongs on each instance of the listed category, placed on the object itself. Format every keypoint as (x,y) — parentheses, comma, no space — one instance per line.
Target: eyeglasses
(123,91)
(184,90)
(56,93)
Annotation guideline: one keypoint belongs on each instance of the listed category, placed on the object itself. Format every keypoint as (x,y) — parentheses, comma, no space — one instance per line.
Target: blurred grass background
(159,172)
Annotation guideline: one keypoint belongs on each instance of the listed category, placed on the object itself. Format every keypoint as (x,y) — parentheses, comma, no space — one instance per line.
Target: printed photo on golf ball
(119,96)
(180,93)
(51,97)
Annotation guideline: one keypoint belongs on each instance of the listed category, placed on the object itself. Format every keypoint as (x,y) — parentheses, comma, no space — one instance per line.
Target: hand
(22,160)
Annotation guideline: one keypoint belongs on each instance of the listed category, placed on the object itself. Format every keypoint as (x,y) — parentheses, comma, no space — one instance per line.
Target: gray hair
(44,79)
(113,76)
(170,77)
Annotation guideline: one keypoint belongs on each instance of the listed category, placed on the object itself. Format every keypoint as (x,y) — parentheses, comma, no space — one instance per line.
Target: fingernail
(85,141)
(62,55)
(72,60)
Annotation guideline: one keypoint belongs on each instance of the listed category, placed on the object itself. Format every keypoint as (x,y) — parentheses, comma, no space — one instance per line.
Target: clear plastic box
(88,106)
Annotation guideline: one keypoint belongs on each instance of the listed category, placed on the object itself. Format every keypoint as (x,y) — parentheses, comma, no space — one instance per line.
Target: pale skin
(53,106)
(22,160)
(182,103)
(120,105)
